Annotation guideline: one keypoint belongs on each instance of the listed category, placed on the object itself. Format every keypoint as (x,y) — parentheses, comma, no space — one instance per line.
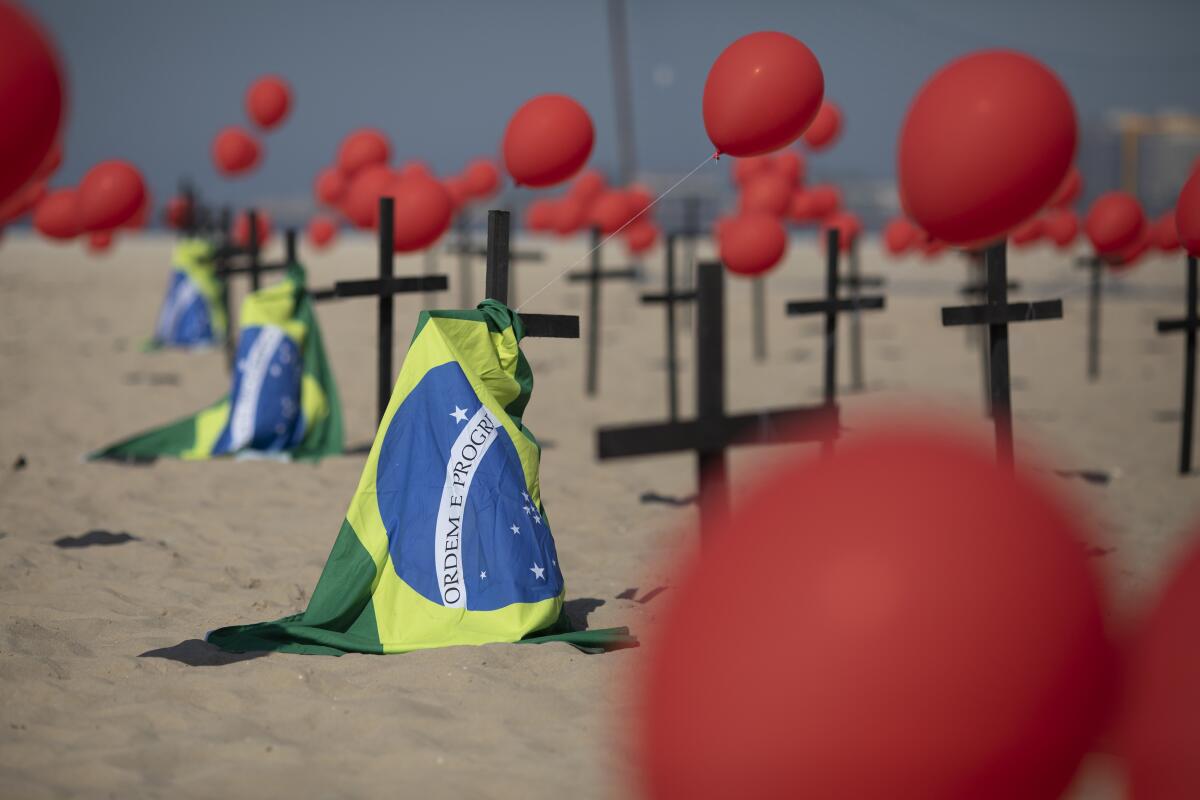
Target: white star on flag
(526,496)
(483,575)
(537,518)
(515,529)
(528,509)
(539,572)
(459,414)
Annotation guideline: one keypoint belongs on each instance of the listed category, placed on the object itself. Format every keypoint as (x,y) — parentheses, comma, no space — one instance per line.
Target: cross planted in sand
(1189,324)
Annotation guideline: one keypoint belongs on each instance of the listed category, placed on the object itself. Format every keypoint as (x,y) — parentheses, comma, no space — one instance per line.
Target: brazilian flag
(283,401)
(446,541)
(192,314)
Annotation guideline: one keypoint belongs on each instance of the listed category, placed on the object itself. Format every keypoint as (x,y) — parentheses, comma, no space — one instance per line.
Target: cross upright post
(496,284)
(669,297)
(1189,324)
(593,275)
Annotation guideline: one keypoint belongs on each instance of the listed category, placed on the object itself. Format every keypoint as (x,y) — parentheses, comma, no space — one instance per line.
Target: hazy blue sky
(153,80)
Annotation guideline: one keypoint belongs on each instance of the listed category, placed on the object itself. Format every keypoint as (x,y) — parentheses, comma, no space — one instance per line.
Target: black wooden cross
(855,281)
(1189,324)
(593,276)
(997,313)
(976,289)
(669,297)
(758,316)
(385,287)
(466,250)
(1095,266)
(496,284)
(832,305)
(713,431)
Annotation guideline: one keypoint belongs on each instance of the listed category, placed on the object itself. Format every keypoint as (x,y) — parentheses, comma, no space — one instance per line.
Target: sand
(108,691)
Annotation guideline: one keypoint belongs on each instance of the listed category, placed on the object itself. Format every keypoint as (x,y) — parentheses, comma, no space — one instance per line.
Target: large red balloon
(361,204)
(268,101)
(330,186)
(481,178)
(1114,222)
(1062,226)
(899,235)
(1187,215)
(769,193)
(423,210)
(32,98)
(986,142)
(751,244)
(761,93)
(110,194)
(235,152)
(262,225)
(944,641)
(1160,719)
(57,215)
(321,232)
(547,140)
(826,127)
(22,201)
(362,148)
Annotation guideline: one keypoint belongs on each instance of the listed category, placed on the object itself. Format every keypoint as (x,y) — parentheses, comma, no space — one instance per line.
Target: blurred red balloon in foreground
(361,203)
(100,241)
(422,212)
(899,235)
(986,142)
(330,186)
(1114,222)
(1159,724)
(481,178)
(321,232)
(268,101)
(241,229)
(826,127)
(110,194)
(944,641)
(57,214)
(235,152)
(761,93)
(547,140)
(32,98)
(1187,215)
(22,201)
(751,244)
(363,148)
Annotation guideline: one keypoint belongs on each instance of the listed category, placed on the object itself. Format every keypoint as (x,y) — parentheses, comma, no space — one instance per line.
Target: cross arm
(618,272)
(515,255)
(998,315)
(551,326)
(1172,325)
(663,297)
(976,289)
(799,307)
(375,286)
(863,281)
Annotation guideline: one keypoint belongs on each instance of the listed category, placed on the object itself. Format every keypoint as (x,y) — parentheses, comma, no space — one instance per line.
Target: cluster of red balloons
(111,196)
(237,151)
(591,203)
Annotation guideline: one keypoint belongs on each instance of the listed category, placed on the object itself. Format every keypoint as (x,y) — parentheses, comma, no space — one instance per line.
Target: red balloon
(99,241)
(1068,191)
(1187,215)
(540,215)
(57,215)
(719,225)
(235,152)
(547,140)
(268,101)
(177,212)
(948,643)
(826,127)
(899,235)
(641,236)
(32,98)
(611,211)
(932,248)
(848,227)
(570,214)
(751,244)
(1028,232)
(985,144)
(801,209)
(423,210)
(50,163)
(790,165)
(640,198)
(241,228)
(363,148)
(1114,222)
(769,193)
(321,232)
(361,204)
(481,178)
(588,186)
(460,193)
(142,217)
(747,169)
(1159,723)
(415,168)
(1062,226)
(824,200)
(110,194)
(330,186)
(761,93)
(1164,235)
(1129,256)
(22,201)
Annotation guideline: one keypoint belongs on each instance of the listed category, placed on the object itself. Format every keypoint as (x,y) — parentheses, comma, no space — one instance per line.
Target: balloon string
(609,238)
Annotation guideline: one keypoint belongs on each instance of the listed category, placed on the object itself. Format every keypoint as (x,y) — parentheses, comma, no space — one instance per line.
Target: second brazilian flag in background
(446,540)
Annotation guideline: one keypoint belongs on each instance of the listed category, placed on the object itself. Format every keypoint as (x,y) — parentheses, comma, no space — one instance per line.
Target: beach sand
(108,690)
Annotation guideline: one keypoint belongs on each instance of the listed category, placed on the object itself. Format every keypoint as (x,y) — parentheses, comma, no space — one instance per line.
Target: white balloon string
(609,238)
